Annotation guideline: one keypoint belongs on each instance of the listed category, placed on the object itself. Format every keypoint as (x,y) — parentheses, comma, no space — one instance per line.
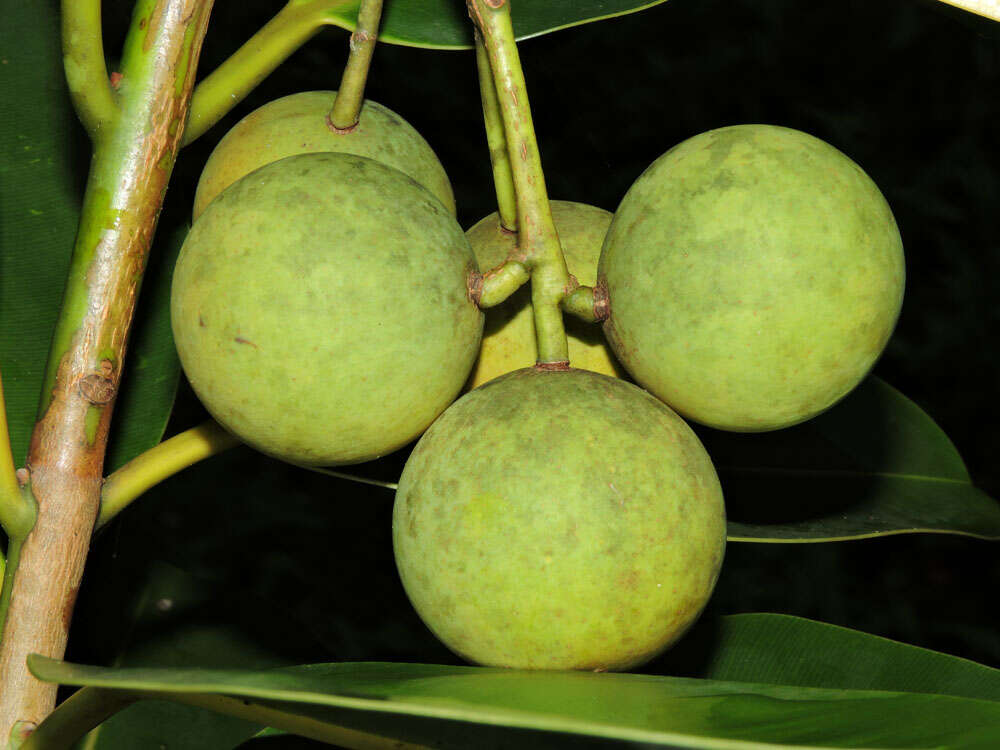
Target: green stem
(86,71)
(229,84)
(503,179)
(501,282)
(351,94)
(160,462)
(16,515)
(538,240)
(582,304)
(130,169)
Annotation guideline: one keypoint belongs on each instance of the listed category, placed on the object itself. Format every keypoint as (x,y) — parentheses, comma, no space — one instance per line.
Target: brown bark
(130,171)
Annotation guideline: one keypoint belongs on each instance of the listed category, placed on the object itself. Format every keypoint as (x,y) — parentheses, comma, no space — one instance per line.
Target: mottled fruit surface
(297,124)
(755,274)
(321,311)
(559,520)
(509,336)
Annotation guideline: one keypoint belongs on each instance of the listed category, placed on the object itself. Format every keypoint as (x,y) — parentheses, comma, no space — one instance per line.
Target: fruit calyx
(562,366)
(340,131)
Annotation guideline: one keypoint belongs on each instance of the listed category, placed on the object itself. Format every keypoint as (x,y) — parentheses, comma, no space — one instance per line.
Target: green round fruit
(754,274)
(321,311)
(297,124)
(558,520)
(509,337)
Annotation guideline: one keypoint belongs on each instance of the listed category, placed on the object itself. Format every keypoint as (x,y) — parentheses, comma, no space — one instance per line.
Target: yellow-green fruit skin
(320,308)
(754,275)
(297,124)
(559,520)
(509,336)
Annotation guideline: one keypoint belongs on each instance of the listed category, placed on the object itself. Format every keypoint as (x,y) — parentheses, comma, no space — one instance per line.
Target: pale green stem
(229,84)
(501,282)
(580,303)
(86,71)
(351,94)
(503,179)
(16,513)
(129,171)
(538,240)
(159,463)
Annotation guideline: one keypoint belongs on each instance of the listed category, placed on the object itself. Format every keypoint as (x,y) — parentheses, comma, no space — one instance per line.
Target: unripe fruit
(297,124)
(754,274)
(321,311)
(558,520)
(509,336)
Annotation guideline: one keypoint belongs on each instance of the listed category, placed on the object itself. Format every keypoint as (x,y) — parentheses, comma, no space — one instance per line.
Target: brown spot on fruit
(241,340)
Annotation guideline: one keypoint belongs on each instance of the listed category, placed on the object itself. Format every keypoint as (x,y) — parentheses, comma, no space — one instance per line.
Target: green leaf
(443,24)
(43,163)
(660,711)
(874,465)
(785,650)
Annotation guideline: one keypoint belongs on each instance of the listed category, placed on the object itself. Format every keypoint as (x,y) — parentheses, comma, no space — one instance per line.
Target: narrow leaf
(442,24)
(875,464)
(785,650)
(661,711)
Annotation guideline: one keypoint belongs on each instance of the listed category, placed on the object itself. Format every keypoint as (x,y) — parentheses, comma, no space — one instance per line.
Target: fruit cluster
(324,310)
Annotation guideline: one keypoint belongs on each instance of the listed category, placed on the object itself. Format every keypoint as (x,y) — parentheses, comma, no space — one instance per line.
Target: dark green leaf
(443,24)
(662,711)
(784,650)
(43,166)
(875,464)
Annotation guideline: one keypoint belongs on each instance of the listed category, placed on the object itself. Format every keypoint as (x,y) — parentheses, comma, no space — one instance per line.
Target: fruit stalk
(538,240)
(351,95)
(503,179)
(502,282)
(228,85)
(583,304)
(130,169)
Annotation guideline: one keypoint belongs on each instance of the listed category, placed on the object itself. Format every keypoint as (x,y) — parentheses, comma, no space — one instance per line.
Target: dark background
(907,89)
